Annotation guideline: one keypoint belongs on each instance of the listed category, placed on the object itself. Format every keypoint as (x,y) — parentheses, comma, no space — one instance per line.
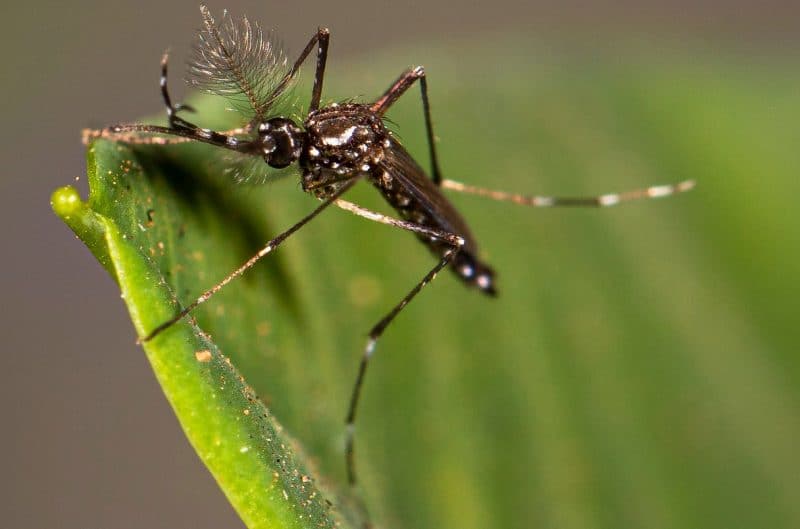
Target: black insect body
(335,147)
(351,139)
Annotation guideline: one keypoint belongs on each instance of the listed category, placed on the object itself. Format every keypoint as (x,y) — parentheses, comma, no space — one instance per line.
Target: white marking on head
(484,281)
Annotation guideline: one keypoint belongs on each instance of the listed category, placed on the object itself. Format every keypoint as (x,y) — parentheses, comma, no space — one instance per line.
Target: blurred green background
(638,370)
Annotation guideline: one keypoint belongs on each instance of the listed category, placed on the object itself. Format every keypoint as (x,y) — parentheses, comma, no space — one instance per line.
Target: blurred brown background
(87,440)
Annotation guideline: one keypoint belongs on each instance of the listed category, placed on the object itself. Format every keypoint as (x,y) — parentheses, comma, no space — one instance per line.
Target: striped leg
(394,92)
(270,246)
(456,242)
(178,131)
(143,134)
(172,110)
(320,39)
(605,200)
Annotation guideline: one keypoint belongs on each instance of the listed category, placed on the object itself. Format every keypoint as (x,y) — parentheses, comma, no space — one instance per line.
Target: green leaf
(259,467)
(639,368)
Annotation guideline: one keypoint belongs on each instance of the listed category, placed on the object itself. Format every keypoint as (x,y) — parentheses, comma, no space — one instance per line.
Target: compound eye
(283,154)
(268,146)
(280,144)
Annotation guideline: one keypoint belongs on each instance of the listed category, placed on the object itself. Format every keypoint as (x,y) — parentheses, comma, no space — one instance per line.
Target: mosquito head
(280,141)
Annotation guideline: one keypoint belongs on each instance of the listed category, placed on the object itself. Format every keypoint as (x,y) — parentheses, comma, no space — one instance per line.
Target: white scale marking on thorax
(341,139)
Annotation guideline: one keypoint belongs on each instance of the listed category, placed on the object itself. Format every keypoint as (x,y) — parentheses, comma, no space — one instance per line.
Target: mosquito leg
(394,92)
(369,350)
(270,246)
(456,242)
(320,39)
(137,134)
(133,134)
(179,130)
(172,110)
(323,36)
(605,200)
(450,238)
(130,136)
(162,82)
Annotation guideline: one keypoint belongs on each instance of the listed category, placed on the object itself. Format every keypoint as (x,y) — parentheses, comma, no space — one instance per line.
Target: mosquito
(335,146)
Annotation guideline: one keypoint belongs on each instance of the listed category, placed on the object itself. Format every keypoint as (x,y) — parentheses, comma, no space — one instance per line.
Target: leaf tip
(66,202)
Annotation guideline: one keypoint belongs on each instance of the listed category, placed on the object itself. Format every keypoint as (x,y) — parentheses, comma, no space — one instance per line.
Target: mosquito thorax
(342,141)
(280,142)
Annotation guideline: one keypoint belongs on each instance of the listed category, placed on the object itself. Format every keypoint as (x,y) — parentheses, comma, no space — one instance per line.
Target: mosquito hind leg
(398,88)
(455,242)
(374,334)
(544,201)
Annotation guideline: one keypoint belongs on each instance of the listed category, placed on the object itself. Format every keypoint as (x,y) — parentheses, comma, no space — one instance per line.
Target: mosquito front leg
(133,134)
(178,131)
(172,110)
(456,242)
(270,246)
(130,136)
(543,201)
(394,92)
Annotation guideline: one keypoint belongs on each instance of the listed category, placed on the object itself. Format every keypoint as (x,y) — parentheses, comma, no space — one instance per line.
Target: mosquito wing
(428,197)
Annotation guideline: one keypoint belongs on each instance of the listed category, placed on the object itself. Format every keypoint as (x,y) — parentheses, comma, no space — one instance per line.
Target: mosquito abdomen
(474,273)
